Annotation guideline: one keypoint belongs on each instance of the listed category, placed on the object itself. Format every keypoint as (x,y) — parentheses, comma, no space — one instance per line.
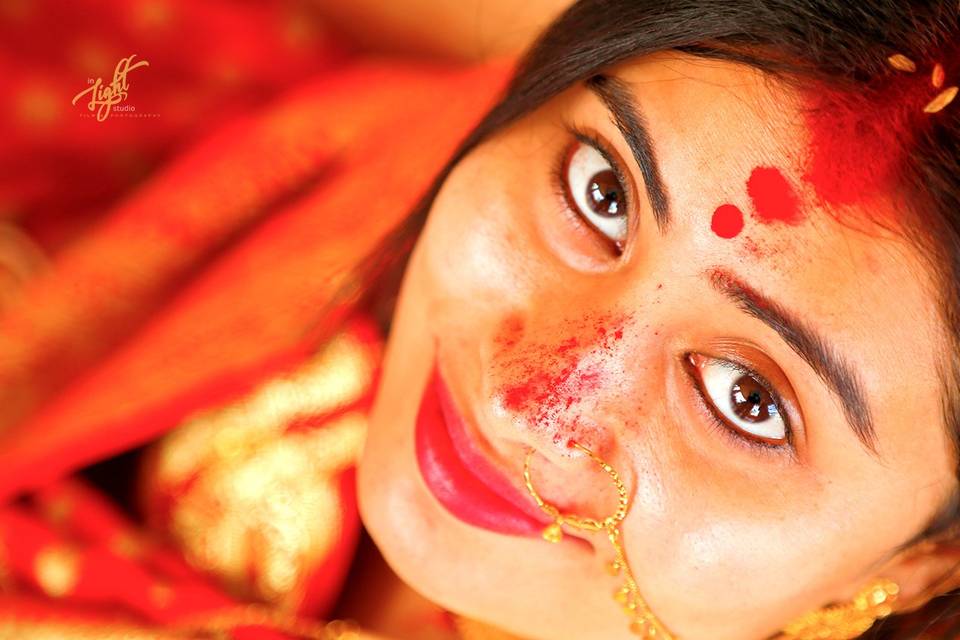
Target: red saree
(185,309)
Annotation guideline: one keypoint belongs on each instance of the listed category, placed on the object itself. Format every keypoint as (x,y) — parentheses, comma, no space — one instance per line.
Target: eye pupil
(604,193)
(751,401)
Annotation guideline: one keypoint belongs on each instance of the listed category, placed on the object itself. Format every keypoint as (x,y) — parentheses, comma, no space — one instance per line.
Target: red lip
(463,480)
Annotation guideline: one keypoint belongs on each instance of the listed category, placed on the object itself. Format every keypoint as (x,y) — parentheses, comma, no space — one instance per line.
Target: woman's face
(763,377)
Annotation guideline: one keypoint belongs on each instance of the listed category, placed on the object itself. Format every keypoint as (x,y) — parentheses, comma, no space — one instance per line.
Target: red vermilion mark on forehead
(774,199)
(859,140)
(727,221)
(750,247)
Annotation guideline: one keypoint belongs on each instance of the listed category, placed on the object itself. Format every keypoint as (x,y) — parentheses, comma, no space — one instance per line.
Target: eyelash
(734,435)
(561,187)
(729,431)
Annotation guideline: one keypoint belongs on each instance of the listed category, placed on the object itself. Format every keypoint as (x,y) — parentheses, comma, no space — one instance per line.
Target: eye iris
(604,193)
(751,401)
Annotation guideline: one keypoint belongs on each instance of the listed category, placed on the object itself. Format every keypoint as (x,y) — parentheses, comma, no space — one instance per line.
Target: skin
(727,541)
(471,29)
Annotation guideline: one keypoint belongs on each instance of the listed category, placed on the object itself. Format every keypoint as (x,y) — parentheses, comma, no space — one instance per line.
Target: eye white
(585,163)
(719,378)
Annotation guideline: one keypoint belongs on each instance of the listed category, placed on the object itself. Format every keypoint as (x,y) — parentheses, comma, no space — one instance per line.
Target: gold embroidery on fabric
(264,502)
(336,378)
(209,626)
(161,594)
(57,570)
(24,629)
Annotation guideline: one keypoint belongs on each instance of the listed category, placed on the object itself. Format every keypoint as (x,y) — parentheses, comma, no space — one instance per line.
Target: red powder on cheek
(550,381)
(774,200)
(727,221)
(510,331)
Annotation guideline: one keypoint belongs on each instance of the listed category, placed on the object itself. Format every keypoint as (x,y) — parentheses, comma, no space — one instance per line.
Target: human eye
(741,401)
(595,189)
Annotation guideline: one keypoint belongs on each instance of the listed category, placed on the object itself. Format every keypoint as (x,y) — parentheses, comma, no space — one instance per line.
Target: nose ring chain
(643,622)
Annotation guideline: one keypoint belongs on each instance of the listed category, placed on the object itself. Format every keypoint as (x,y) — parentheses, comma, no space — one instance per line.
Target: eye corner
(693,359)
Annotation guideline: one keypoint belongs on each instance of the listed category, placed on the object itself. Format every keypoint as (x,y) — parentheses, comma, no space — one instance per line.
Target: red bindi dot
(774,199)
(727,221)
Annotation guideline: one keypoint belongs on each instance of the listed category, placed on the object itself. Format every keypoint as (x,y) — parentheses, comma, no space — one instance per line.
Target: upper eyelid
(789,442)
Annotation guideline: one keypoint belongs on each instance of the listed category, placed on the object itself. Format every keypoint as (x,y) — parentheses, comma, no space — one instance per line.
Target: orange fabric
(338,144)
(169,310)
(67,553)
(211,61)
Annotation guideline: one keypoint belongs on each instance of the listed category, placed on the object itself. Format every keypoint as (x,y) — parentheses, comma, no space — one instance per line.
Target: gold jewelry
(289,624)
(849,620)
(836,622)
(643,621)
(901,62)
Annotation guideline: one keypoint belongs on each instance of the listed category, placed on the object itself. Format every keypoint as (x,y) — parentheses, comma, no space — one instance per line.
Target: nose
(557,383)
(592,487)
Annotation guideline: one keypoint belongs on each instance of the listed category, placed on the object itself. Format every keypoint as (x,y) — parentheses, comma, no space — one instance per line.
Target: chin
(465,570)
(511,582)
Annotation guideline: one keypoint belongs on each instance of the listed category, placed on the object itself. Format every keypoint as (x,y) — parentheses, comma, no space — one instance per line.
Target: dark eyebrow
(618,98)
(830,366)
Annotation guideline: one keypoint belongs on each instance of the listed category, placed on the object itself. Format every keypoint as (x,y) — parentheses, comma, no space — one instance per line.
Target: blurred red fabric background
(162,270)
(209,62)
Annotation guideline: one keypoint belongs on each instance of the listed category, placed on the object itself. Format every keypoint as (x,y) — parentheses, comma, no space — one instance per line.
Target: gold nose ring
(643,622)
(554,532)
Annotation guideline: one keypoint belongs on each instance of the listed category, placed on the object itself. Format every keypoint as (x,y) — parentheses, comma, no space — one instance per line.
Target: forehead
(713,124)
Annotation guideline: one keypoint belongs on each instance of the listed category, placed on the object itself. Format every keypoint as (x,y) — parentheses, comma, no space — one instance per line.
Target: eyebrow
(829,365)
(619,100)
(832,368)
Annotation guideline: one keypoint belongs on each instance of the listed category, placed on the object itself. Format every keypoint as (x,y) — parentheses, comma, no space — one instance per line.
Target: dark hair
(840,44)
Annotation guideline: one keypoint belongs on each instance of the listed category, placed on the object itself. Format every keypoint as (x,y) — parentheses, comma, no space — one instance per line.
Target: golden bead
(643,622)
(57,570)
(901,62)
(553,533)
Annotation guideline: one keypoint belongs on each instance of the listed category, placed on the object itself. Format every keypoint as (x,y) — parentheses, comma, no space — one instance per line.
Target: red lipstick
(460,475)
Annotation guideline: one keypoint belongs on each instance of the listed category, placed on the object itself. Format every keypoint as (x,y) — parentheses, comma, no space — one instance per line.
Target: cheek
(551,379)
(475,251)
(699,525)
(685,561)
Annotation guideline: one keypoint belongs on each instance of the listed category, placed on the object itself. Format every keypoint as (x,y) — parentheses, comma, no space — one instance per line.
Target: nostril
(580,430)
(587,498)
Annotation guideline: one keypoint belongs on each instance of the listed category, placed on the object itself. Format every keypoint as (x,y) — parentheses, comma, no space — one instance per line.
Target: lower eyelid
(710,414)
